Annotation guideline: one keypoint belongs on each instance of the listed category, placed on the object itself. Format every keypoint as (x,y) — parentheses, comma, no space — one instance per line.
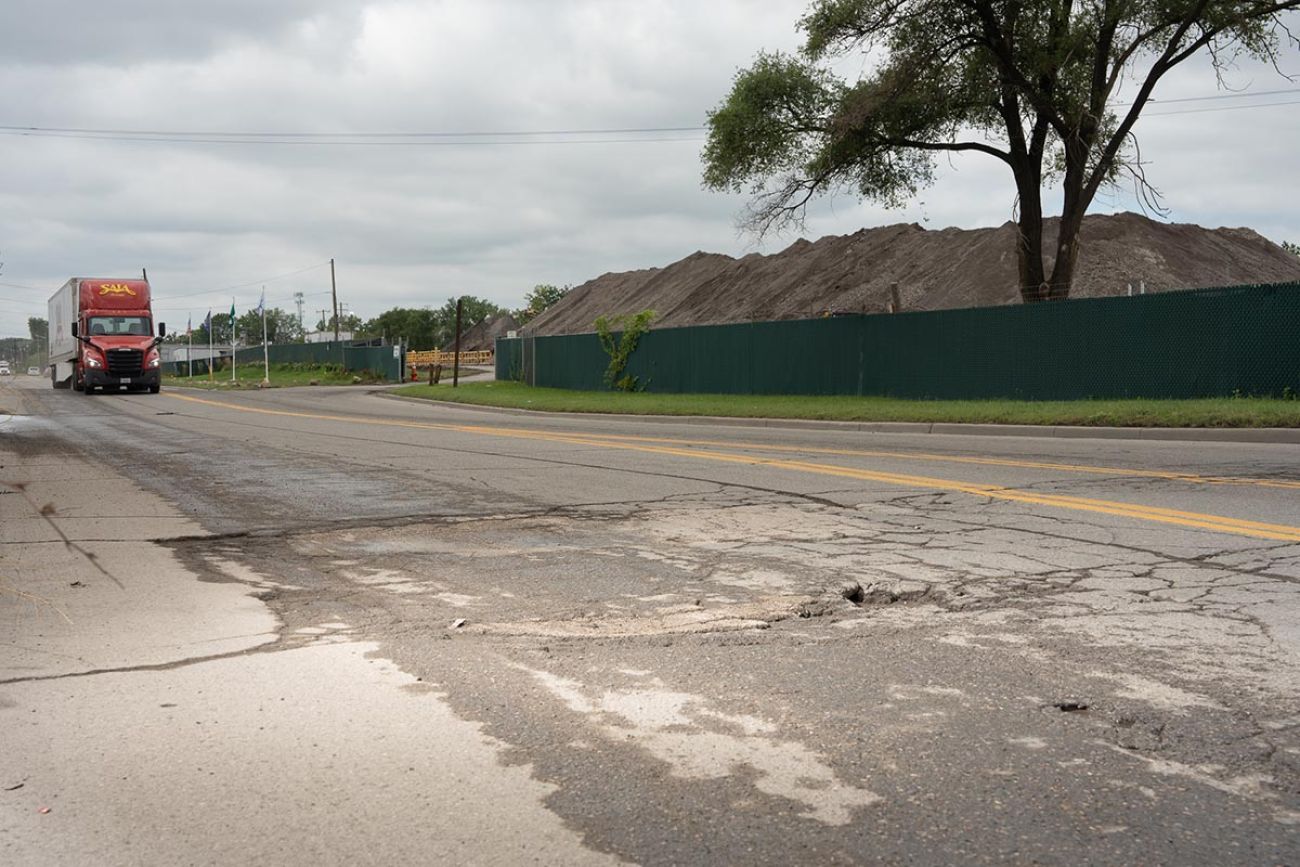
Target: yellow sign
(115,289)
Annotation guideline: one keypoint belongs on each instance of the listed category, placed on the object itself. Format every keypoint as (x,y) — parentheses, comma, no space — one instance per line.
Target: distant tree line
(417,327)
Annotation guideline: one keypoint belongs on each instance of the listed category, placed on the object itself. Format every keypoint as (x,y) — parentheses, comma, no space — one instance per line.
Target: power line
(244,285)
(1219,108)
(460,138)
(363,135)
(1241,95)
(96,136)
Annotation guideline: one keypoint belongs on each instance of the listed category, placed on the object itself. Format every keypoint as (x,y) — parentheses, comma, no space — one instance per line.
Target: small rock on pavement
(458,623)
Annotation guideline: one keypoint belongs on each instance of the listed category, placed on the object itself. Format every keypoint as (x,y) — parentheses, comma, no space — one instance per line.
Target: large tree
(421,327)
(1033,84)
(543,296)
(281,327)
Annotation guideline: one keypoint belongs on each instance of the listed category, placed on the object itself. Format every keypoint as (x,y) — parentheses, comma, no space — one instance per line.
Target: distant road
(360,629)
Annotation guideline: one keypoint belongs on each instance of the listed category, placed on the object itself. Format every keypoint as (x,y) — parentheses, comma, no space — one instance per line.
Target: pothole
(886,593)
(692,619)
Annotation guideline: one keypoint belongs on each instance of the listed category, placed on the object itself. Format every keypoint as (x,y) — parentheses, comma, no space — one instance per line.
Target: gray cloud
(414,225)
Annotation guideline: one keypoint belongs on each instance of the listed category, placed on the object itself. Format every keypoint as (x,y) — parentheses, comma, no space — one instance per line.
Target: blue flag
(207,323)
(261,304)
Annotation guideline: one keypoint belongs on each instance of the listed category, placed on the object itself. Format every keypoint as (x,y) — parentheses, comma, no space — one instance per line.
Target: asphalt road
(330,626)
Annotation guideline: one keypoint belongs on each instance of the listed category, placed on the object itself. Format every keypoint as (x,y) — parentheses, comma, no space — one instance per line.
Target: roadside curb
(1284,435)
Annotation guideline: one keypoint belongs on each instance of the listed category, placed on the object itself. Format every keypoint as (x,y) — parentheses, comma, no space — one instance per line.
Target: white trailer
(63,346)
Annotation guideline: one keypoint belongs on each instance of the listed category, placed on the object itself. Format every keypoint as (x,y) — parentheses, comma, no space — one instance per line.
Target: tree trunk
(1029,243)
(1073,206)
(1067,256)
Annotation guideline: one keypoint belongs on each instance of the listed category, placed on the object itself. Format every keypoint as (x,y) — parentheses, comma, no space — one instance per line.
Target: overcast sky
(412,224)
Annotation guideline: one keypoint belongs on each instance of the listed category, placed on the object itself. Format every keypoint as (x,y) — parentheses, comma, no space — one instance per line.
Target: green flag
(232,320)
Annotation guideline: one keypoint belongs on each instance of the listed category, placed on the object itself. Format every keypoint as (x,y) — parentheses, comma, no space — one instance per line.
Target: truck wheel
(154,389)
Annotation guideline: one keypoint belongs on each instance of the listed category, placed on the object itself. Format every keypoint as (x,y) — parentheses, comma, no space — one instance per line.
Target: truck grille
(125,362)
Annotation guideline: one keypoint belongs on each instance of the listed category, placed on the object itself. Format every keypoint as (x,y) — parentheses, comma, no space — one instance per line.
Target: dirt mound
(484,335)
(934,270)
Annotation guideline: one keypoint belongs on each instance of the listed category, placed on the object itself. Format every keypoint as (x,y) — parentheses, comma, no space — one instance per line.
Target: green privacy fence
(1196,343)
(385,361)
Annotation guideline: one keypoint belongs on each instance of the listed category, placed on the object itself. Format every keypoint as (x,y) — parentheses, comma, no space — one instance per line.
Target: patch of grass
(1207,412)
(282,376)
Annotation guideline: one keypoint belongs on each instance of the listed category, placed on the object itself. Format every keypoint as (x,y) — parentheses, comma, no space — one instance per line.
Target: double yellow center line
(700,450)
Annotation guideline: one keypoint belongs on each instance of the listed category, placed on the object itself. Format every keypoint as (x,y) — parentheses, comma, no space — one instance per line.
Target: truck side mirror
(162,330)
(74,329)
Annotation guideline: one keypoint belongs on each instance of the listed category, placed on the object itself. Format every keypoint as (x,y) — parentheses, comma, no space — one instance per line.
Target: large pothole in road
(601,576)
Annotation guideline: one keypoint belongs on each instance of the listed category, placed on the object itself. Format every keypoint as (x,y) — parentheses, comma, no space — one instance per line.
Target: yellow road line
(963,459)
(1216,523)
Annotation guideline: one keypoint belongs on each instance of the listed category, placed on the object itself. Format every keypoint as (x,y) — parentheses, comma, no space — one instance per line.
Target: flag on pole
(207,323)
(189,325)
(261,304)
(232,318)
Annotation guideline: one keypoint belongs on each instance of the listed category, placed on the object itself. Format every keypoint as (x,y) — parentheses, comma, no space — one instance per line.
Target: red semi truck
(101,336)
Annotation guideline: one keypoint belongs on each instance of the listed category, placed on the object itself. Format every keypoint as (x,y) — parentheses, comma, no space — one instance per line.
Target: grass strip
(282,376)
(1203,412)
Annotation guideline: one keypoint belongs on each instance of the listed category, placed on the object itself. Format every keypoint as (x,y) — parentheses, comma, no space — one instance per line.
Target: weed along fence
(1197,343)
(384,361)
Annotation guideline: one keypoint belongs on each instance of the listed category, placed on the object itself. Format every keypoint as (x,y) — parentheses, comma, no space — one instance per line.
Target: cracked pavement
(365,630)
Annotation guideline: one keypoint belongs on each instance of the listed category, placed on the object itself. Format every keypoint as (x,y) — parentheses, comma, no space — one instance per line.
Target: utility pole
(455,359)
(334,294)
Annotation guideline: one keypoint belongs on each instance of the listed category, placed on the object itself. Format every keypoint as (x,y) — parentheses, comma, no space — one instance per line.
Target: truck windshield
(118,326)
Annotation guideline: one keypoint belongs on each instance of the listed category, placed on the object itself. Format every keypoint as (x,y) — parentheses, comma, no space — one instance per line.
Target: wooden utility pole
(334,296)
(455,359)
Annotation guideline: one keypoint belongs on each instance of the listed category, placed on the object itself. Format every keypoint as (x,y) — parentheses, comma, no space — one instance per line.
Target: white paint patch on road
(1157,694)
(699,742)
(319,755)
(1251,787)
(762,580)
(912,692)
(247,575)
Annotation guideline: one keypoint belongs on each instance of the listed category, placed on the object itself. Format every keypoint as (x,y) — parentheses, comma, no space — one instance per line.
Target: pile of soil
(933,269)
(484,335)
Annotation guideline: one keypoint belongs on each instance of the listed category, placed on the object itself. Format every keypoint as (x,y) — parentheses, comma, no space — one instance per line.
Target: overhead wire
(481,138)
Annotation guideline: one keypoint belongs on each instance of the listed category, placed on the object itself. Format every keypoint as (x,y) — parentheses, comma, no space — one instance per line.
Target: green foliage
(426,328)
(1032,85)
(38,328)
(1293,249)
(473,311)
(631,326)
(349,322)
(421,328)
(543,296)
(281,327)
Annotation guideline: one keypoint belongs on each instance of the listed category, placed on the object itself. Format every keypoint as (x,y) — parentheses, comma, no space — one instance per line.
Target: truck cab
(109,336)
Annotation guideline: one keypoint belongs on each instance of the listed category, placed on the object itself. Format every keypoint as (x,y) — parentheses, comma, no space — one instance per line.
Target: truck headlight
(93,362)
(155,361)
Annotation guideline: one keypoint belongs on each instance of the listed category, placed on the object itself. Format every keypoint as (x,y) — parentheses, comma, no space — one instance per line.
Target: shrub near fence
(1195,343)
